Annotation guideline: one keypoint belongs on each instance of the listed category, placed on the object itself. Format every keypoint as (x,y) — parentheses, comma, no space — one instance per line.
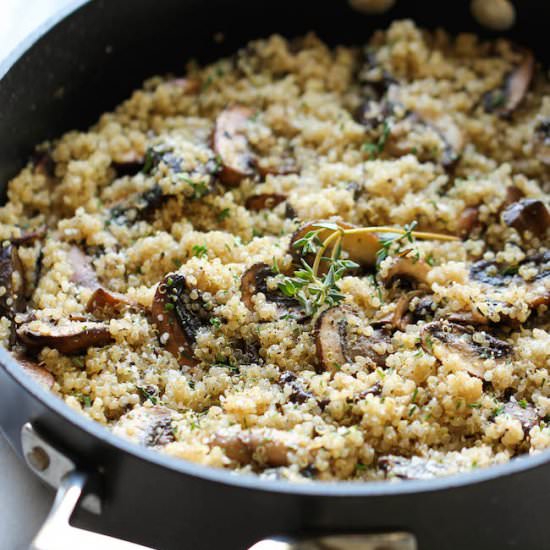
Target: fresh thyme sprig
(314,289)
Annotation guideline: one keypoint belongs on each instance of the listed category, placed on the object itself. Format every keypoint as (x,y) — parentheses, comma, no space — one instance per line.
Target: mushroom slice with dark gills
(443,340)
(422,124)
(542,140)
(147,426)
(254,281)
(231,145)
(523,411)
(65,336)
(503,275)
(142,207)
(12,281)
(528,215)
(415,467)
(412,307)
(505,99)
(265,447)
(179,317)
(340,337)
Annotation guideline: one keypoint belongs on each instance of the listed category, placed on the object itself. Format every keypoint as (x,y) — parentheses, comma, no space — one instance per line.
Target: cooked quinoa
(164,272)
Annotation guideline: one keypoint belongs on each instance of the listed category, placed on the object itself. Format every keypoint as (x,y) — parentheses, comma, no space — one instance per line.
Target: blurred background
(19,17)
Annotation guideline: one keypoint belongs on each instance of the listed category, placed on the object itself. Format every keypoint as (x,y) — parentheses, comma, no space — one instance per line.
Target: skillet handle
(398,540)
(58,534)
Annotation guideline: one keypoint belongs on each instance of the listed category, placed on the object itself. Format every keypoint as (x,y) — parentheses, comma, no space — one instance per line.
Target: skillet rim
(314,488)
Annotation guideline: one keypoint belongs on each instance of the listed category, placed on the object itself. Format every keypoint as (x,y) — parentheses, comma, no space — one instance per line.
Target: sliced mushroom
(264,201)
(83,272)
(254,446)
(339,341)
(12,281)
(299,394)
(528,215)
(178,317)
(104,304)
(231,145)
(407,272)
(441,339)
(147,426)
(468,222)
(361,248)
(542,140)
(403,315)
(504,100)
(142,207)
(128,164)
(442,125)
(411,468)
(67,337)
(374,79)
(526,413)
(254,281)
(473,317)
(502,275)
(35,370)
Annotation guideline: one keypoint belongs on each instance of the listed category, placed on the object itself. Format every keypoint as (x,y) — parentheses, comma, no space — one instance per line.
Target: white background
(24,502)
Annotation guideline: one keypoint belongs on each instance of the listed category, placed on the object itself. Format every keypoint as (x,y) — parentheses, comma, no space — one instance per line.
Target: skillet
(84,61)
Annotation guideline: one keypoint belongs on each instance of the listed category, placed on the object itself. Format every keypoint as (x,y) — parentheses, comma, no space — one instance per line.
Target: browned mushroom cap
(83,272)
(262,447)
(147,426)
(254,280)
(411,468)
(407,272)
(178,317)
(231,144)
(528,215)
(361,248)
(542,140)
(104,304)
(339,339)
(12,280)
(264,200)
(504,100)
(442,339)
(68,337)
(35,370)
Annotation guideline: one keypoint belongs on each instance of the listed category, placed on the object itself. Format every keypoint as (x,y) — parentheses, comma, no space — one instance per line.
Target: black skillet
(83,62)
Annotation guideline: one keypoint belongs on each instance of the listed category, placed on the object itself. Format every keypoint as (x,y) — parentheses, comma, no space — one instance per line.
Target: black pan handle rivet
(38,458)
